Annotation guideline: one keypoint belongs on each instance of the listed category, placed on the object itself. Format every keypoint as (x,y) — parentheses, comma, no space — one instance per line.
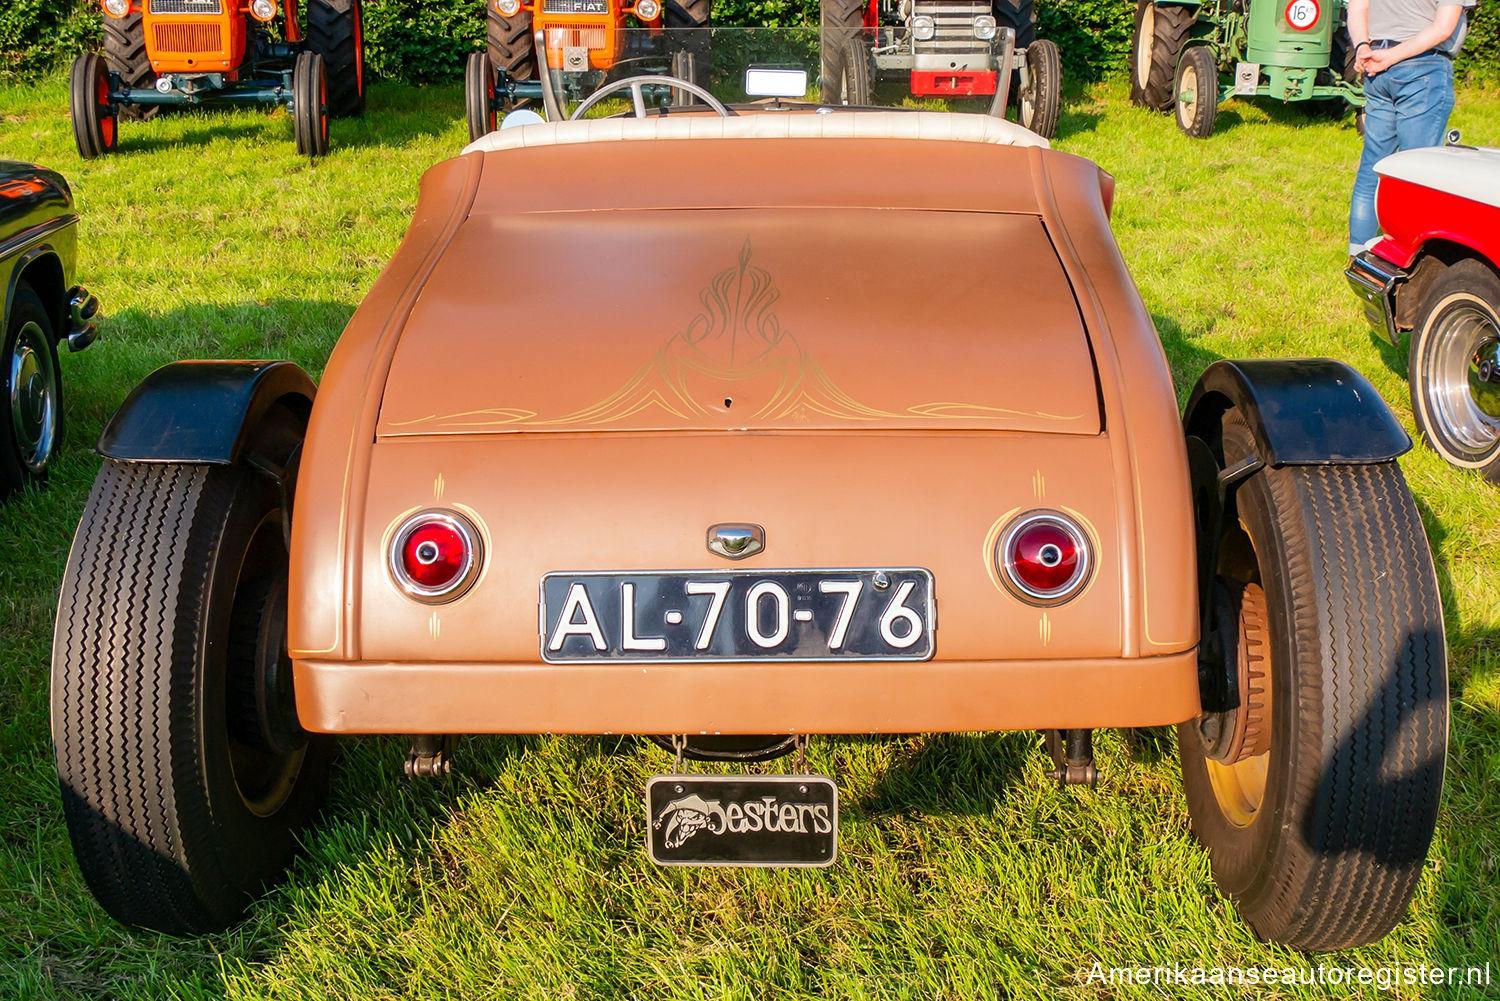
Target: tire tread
(1372,701)
(1173,25)
(125,52)
(331,34)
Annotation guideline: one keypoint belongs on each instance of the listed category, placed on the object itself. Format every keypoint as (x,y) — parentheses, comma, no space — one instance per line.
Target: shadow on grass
(1392,357)
(1467,911)
(1184,355)
(1288,114)
(394,115)
(203,130)
(1075,121)
(950,773)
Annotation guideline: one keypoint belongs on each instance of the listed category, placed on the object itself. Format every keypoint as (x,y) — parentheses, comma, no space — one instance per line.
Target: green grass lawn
(963,873)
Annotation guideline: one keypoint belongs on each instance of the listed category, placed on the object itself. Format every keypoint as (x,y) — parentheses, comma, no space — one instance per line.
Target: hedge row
(424,41)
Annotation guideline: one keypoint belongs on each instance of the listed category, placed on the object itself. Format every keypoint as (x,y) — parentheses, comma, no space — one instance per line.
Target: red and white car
(1436,272)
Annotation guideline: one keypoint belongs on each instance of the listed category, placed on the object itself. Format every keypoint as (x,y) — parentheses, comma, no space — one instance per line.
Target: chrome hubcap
(33,398)
(1466,390)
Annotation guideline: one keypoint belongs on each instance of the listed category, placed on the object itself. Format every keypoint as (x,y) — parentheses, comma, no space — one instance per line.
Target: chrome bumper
(83,310)
(1373,279)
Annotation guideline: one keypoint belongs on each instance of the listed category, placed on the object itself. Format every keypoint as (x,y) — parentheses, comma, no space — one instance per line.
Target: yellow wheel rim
(1240,788)
(1239,780)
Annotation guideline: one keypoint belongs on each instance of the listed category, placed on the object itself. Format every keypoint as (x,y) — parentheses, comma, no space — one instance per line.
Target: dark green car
(38,235)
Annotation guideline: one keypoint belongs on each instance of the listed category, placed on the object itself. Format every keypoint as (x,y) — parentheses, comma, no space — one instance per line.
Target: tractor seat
(933,125)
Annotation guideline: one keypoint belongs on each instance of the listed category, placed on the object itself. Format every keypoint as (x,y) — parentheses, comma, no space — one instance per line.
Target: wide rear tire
(479,95)
(1039,102)
(1160,33)
(125,52)
(178,810)
(310,104)
(31,415)
(335,30)
(1318,829)
(95,123)
(1454,368)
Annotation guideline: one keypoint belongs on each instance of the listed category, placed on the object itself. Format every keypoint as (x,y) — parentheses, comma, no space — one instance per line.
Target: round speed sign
(1302,14)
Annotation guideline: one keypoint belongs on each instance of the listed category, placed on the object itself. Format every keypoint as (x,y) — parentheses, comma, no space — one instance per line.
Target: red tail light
(1044,557)
(435,555)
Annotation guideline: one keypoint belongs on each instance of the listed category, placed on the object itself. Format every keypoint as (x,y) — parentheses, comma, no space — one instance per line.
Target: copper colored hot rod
(742,485)
(859,472)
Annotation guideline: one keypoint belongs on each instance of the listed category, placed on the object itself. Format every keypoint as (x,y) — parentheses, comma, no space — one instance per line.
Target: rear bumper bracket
(1374,280)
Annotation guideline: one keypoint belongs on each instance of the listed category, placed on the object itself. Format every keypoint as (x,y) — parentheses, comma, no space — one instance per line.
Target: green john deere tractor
(1192,55)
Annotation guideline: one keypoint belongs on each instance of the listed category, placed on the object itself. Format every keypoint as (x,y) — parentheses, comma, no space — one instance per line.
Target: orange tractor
(582,42)
(200,52)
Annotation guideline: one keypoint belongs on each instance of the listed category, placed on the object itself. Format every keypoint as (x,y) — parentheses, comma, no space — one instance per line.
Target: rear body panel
(1414,215)
(1067,405)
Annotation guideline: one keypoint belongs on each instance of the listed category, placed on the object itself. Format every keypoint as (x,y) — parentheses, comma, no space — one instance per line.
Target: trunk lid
(744,319)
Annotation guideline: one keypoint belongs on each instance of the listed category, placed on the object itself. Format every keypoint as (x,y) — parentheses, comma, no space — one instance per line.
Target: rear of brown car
(883,359)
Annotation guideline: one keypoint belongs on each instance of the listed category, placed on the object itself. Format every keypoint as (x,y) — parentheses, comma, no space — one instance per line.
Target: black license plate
(742,820)
(737,615)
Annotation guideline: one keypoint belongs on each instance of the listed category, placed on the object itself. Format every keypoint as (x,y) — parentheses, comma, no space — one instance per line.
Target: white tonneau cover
(933,125)
(1459,170)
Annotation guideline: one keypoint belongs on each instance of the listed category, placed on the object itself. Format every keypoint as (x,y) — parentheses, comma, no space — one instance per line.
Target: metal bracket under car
(431,755)
(1072,754)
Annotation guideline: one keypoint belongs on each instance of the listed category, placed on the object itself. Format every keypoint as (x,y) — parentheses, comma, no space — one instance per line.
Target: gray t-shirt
(1398,20)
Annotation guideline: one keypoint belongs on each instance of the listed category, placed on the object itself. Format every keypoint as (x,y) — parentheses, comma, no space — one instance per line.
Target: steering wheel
(634,85)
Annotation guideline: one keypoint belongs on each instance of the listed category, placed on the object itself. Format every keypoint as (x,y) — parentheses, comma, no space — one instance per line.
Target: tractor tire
(1340,67)
(479,95)
(511,47)
(335,31)
(1160,33)
(841,23)
(1039,102)
(851,83)
(842,81)
(310,104)
(31,424)
(1317,823)
(180,800)
(125,52)
(1021,16)
(688,38)
(1197,92)
(95,120)
(1454,367)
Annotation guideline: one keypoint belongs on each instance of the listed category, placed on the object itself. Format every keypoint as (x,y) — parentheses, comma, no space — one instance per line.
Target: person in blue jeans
(1405,49)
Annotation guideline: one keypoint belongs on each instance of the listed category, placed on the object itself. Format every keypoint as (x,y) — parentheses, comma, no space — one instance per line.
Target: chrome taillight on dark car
(435,556)
(1044,557)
